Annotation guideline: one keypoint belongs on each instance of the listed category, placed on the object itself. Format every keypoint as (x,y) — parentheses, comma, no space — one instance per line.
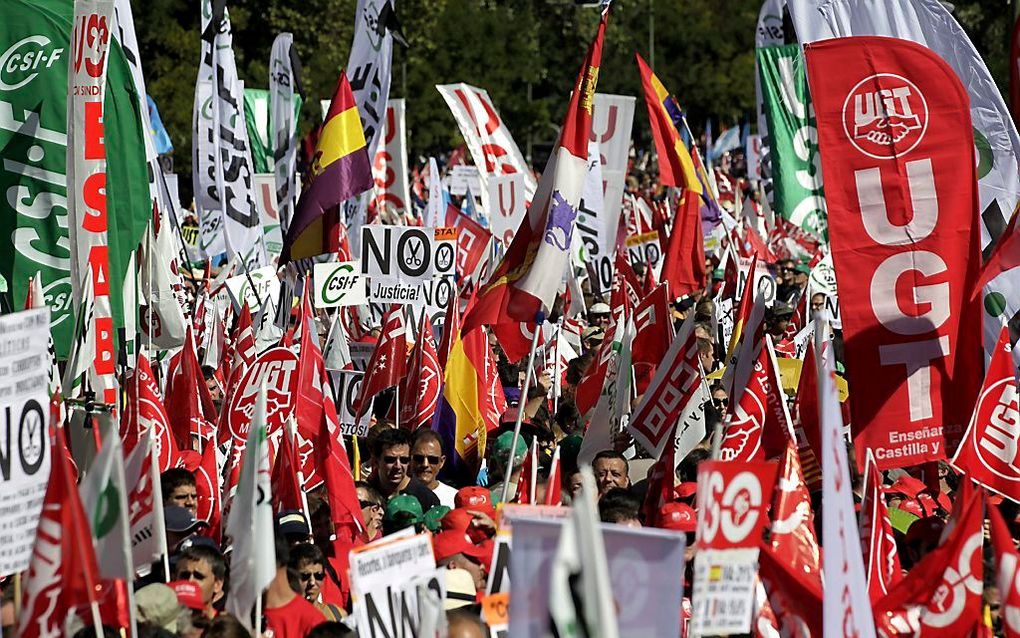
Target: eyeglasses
(191,575)
(367,504)
(307,576)
(722,401)
(421,458)
(390,460)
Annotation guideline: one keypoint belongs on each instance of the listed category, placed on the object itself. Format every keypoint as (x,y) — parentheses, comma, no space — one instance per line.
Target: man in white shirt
(427,459)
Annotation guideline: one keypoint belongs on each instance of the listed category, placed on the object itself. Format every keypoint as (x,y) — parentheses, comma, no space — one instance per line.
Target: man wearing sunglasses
(427,459)
(310,564)
(391,457)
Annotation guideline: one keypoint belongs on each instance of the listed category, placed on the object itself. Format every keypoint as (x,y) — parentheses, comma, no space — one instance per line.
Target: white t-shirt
(446,494)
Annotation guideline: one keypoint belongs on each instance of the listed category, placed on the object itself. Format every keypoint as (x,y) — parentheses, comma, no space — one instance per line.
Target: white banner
(389,167)
(269,212)
(646,569)
(283,140)
(338,284)
(86,183)
(612,121)
(24,415)
(493,149)
(223,170)
(368,67)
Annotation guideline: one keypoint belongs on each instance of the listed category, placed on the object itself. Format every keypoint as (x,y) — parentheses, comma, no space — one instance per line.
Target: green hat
(802,268)
(570,447)
(434,517)
(501,449)
(404,508)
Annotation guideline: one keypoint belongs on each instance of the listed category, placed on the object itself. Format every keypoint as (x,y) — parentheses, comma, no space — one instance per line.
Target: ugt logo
(885,116)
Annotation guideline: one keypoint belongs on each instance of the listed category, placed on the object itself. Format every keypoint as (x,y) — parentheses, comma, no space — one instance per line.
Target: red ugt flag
(901,190)
(988,452)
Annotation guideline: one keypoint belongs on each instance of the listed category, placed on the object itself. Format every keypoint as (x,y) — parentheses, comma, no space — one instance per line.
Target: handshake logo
(885,116)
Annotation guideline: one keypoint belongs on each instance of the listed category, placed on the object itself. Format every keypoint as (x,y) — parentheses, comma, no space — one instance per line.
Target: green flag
(793,139)
(258,119)
(35,54)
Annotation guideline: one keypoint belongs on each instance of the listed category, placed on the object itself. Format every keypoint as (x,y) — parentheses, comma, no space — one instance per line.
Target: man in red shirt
(287,614)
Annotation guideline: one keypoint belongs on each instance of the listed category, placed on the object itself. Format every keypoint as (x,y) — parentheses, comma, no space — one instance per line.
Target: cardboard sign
(496,614)
(339,284)
(763,280)
(24,418)
(401,260)
(345,385)
(267,285)
(465,178)
(645,249)
(387,579)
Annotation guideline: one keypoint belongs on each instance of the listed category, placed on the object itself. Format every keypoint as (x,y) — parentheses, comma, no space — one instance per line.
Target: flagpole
(396,405)
(292,431)
(539,320)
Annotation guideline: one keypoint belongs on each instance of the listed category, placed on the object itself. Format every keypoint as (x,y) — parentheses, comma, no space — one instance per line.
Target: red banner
(901,190)
(733,503)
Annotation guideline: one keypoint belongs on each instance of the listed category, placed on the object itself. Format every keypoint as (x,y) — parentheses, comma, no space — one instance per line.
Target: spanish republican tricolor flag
(676,168)
(340,170)
(527,279)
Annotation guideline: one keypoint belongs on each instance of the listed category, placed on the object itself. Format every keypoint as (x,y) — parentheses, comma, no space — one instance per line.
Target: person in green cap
(402,511)
(498,458)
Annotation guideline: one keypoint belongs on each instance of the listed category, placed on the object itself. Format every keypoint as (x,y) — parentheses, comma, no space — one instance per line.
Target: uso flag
(527,279)
(340,170)
(897,152)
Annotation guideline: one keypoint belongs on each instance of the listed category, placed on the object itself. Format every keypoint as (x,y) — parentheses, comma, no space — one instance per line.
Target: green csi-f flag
(793,140)
(35,52)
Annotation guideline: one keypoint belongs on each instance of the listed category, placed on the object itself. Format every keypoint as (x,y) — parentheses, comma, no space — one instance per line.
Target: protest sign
(496,614)
(763,280)
(912,355)
(463,179)
(24,435)
(507,205)
(345,385)
(386,579)
(733,500)
(264,185)
(338,284)
(823,281)
(644,248)
(646,569)
(267,286)
(401,260)
(612,121)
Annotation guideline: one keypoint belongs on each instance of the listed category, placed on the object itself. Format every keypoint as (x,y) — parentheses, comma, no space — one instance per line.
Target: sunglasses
(186,575)
(367,504)
(725,401)
(421,458)
(307,576)
(390,460)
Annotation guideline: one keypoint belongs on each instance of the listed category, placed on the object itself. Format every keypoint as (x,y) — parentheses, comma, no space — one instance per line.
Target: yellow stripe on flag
(341,135)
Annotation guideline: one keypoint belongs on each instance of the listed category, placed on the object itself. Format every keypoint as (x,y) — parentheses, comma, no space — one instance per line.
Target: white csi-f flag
(580,594)
(250,525)
(145,508)
(846,609)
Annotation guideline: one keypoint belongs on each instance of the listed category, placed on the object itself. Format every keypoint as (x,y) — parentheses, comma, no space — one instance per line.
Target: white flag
(846,609)
(580,593)
(336,354)
(162,318)
(145,508)
(250,525)
(284,142)
(614,399)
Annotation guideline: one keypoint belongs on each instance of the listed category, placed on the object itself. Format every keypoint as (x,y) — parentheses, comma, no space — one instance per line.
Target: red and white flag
(528,482)
(893,122)
(554,486)
(988,453)
(654,324)
(287,489)
(388,363)
(145,509)
(1007,576)
(189,404)
(758,426)
(144,413)
(881,555)
(420,389)
(793,524)
(209,490)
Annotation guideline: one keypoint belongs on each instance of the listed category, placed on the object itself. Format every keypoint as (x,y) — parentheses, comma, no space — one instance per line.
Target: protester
(203,566)
(391,456)
(310,564)
(427,461)
(611,471)
(372,509)
(288,615)
(179,489)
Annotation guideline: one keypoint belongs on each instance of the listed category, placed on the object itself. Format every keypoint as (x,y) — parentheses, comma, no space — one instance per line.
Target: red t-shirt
(293,620)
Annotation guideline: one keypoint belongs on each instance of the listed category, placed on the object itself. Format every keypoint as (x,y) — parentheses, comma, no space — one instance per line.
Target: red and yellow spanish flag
(676,168)
(340,170)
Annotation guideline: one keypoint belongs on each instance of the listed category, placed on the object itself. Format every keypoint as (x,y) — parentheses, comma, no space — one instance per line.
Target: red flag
(653,323)
(590,386)
(472,241)
(63,576)
(758,427)
(627,287)
(515,338)
(554,486)
(243,342)
(493,400)
(795,600)
(988,453)
(743,317)
(683,265)
(286,485)
(388,364)
(144,410)
(208,489)
(946,584)
(451,328)
(806,427)
(893,122)
(793,532)
(189,404)
(881,556)
(661,483)
(1007,577)
(528,482)
(420,389)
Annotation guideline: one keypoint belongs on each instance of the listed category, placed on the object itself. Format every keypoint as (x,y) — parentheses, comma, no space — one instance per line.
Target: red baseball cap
(686,489)
(460,520)
(188,593)
(678,516)
(475,498)
(446,544)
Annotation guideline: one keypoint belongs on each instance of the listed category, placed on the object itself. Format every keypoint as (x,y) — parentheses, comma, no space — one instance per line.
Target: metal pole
(651,33)
(523,403)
